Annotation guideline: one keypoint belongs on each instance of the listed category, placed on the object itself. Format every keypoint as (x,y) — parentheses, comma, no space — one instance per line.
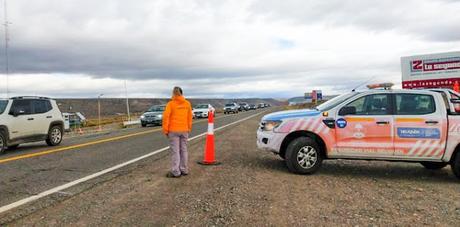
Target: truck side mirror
(347,110)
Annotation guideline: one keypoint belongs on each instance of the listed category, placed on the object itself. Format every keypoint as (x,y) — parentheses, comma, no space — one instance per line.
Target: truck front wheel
(434,165)
(455,165)
(303,156)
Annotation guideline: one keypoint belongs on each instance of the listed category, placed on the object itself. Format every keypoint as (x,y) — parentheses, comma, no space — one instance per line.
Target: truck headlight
(160,115)
(142,116)
(270,125)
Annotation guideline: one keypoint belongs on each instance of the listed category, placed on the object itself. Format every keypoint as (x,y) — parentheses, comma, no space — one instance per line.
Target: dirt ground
(254,188)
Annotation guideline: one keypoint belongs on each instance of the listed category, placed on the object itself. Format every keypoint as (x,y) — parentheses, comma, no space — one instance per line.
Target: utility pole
(99,111)
(7,39)
(127,102)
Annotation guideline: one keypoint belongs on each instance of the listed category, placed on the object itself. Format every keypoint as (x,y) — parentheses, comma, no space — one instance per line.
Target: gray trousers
(179,153)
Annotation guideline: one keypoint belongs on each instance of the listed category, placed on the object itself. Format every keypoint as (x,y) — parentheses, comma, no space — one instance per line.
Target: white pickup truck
(378,124)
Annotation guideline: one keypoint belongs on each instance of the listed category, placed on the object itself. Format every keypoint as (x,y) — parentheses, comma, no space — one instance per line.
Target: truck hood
(201,110)
(153,113)
(277,116)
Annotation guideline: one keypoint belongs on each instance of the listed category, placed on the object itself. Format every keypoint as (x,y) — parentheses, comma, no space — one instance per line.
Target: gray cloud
(225,48)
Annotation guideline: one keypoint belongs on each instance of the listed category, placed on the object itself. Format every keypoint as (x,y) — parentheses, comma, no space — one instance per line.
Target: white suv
(29,119)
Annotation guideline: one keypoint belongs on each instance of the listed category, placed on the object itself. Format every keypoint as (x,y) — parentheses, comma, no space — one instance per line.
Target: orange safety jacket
(177,116)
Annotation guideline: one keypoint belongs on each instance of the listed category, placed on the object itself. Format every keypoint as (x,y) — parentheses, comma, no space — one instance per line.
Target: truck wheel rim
(56,135)
(307,157)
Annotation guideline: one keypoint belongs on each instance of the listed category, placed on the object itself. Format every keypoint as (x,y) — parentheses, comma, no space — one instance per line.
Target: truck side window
(23,107)
(41,106)
(377,104)
(414,104)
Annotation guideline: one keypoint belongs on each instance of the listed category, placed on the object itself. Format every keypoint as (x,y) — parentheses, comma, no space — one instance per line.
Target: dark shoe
(171,175)
(184,174)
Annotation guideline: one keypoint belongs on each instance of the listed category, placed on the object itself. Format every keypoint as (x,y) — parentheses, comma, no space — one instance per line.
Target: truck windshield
(3,104)
(157,109)
(204,106)
(335,101)
(229,105)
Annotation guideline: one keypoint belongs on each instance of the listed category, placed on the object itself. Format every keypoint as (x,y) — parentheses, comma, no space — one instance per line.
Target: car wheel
(144,125)
(2,143)
(434,165)
(303,156)
(54,136)
(455,165)
(12,147)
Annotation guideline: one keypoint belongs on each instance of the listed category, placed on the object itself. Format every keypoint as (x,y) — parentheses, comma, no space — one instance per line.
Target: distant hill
(117,106)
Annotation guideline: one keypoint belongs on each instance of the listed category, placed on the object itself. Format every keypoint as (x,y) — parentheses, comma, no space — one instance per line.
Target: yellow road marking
(41,153)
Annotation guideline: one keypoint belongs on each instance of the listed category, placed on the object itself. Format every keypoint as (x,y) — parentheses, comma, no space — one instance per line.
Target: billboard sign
(431,70)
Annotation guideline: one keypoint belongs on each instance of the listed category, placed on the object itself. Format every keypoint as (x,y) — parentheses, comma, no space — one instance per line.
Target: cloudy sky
(244,48)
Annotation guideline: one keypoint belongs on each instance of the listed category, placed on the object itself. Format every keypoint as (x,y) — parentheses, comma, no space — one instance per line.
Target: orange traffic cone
(209,153)
(456,86)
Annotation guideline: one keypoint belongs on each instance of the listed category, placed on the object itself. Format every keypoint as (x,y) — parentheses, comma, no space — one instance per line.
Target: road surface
(34,168)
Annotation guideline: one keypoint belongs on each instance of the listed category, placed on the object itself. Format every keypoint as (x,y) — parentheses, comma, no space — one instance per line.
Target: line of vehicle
(46,152)
(105,171)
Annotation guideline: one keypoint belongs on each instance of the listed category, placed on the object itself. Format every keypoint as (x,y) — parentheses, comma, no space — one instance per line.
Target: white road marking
(105,171)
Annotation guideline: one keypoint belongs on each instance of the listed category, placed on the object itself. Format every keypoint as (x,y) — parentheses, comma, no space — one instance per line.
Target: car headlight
(160,115)
(270,125)
(142,116)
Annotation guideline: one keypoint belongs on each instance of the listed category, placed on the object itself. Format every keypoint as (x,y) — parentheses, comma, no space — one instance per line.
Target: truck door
(364,127)
(420,127)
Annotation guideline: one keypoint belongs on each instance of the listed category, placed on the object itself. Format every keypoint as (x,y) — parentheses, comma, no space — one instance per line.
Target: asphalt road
(34,168)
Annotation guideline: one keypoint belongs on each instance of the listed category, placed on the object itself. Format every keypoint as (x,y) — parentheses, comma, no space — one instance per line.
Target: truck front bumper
(270,141)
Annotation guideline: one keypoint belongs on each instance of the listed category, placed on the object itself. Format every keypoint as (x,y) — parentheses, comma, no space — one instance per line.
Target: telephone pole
(7,39)
(127,102)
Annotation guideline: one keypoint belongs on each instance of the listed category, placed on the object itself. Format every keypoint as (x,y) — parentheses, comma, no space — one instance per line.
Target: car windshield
(203,106)
(335,101)
(229,104)
(3,104)
(157,109)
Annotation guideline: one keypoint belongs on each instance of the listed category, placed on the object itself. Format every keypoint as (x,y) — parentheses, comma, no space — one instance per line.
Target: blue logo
(341,123)
(427,133)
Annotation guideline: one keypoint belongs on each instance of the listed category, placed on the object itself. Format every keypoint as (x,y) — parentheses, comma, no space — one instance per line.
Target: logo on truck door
(427,133)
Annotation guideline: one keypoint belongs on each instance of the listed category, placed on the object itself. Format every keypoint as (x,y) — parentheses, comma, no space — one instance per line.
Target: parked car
(261,105)
(396,125)
(202,110)
(231,108)
(244,106)
(252,107)
(153,116)
(29,119)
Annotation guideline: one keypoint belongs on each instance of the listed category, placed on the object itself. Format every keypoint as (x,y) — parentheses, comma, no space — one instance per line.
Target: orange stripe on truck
(410,119)
(359,119)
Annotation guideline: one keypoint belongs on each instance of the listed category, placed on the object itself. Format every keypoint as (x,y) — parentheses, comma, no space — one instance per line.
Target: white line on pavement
(100,173)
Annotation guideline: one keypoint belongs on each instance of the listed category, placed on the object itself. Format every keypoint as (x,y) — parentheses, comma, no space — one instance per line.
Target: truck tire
(2,143)
(54,136)
(143,125)
(455,165)
(303,156)
(434,165)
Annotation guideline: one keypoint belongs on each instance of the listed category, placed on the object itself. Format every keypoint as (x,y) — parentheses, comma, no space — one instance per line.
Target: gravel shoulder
(254,188)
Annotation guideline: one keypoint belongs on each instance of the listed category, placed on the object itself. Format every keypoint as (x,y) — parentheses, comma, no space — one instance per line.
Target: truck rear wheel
(455,165)
(303,156)
(434,165)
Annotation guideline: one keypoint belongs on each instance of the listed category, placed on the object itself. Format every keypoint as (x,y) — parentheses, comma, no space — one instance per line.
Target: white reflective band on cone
(210,128)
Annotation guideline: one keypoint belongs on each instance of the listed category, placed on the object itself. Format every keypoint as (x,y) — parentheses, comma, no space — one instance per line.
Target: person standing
(177,124)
